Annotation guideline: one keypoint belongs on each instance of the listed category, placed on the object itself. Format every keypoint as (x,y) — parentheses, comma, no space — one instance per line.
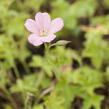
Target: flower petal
(48,38)
(35,40)
(56,25)
(43,20)
(31,26)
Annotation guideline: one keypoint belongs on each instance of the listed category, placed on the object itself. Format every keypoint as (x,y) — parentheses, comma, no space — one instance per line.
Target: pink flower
(42,28)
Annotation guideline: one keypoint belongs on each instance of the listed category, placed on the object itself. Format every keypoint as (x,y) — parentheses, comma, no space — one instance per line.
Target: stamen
(43,33)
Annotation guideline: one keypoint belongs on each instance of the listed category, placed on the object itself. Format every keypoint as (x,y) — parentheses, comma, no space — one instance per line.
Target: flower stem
(47,48)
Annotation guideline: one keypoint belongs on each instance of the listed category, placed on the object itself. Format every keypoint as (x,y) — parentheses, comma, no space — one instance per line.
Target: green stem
(10,97)
(28,101)
(47,48)
(16,71)
(25,66)
(52,45)
(5,90)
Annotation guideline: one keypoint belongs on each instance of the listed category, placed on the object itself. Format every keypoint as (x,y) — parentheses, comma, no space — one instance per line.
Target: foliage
(52,80)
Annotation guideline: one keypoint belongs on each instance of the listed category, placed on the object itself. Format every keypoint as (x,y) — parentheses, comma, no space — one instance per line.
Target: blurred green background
(78,75)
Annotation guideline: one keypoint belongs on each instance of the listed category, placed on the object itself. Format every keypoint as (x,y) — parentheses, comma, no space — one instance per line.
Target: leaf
(29,84)
(40,62)
(93,101)
(38,107)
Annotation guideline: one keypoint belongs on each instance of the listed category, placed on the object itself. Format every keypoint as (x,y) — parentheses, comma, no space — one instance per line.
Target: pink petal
(43,20)
(35,40)
(31,26)
(56,25)
(48,38)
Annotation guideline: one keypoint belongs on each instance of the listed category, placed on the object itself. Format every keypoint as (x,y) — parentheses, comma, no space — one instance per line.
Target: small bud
(62,42)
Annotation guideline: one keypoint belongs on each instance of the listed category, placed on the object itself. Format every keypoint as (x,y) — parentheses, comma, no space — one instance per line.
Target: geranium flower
(43,28)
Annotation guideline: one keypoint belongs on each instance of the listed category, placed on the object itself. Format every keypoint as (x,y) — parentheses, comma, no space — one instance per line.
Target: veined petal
(35,40)
(48,38)
(31,26)
(56,25)
(43,20)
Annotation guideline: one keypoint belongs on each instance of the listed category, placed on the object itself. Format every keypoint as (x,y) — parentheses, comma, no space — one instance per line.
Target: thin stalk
(47,48)
(16,71)
(28,101)
(10,97)
(25,66)
(52,45)
(5,90)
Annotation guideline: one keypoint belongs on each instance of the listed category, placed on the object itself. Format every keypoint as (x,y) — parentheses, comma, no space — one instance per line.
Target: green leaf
(38,107)
(93,101)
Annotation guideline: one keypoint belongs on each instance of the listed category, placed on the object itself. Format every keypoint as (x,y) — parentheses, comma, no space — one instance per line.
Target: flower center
(43,33)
